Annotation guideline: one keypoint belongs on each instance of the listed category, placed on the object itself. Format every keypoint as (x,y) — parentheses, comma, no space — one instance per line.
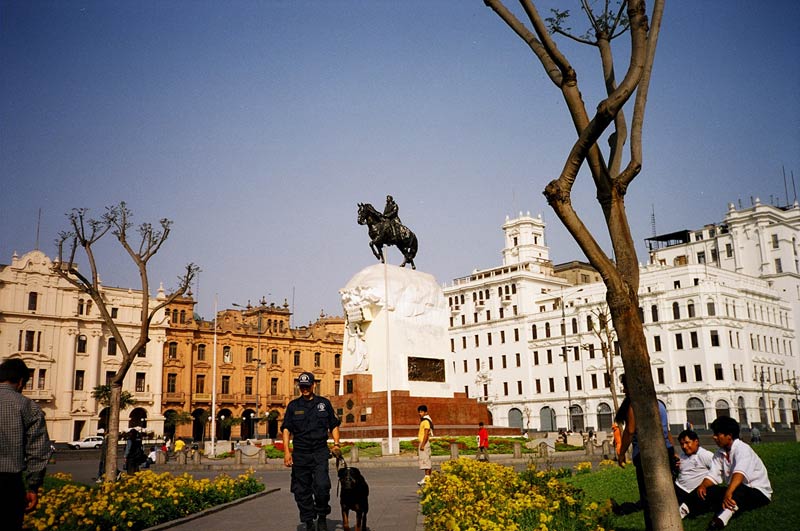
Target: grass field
(783,514)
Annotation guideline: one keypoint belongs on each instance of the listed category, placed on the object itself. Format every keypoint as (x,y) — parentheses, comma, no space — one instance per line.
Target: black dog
(354,496)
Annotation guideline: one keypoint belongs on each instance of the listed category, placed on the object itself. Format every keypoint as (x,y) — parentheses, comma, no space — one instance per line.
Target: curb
(210,510)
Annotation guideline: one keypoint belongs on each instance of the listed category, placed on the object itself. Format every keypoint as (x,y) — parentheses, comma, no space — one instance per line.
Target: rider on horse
(391,217)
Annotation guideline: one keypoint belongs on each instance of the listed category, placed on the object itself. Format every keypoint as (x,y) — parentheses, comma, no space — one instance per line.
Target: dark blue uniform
(309,422)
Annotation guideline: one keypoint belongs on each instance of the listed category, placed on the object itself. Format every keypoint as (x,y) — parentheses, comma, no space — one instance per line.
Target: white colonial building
(60,335)
(721,331)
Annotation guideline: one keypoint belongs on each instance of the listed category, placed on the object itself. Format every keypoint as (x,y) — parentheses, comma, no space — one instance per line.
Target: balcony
(143,397)
(174,397)
(506,300)
(274,399)
(39,394)
(455,310)
(201,397)
(249,399)
(229,398)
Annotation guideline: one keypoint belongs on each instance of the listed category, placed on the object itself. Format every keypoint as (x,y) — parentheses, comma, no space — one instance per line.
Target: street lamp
(566,358)
(764,400)
(260,309)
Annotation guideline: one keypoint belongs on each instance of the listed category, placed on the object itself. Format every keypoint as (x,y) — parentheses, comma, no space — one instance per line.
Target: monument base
(364,413)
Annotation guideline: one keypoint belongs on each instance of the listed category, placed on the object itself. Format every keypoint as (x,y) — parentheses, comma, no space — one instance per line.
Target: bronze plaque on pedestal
(425,370)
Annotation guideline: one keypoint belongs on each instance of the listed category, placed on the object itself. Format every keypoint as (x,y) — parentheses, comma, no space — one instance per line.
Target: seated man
(737,480)
(694,464)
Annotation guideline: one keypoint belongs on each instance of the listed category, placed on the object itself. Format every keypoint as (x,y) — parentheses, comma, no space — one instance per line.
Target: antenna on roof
(793,187)
(653,219)
(740,203)
(38,226)
(785,187)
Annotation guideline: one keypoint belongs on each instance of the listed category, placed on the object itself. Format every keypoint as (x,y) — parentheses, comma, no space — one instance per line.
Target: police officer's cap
(305,379)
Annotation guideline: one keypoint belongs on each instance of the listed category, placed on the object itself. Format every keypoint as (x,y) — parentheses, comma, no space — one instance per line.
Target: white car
(95,441)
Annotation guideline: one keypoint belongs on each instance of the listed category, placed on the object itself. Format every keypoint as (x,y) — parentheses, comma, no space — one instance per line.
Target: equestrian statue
(386,229)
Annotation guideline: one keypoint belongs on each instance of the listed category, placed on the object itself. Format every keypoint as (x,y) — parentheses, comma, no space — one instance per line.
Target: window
(578,383)
(248,355)
(574,326)
(728,250)
(200,383)
(549,356)
(516,334)
(534,332)
(81,344)
(491,363)
(273,386)
(698,373)
(676,310)
(676,284)
(114,312)
(337,361)
(296,358)
(227,355)
(42,379)
(502,336)
(690,308)
(274,356)
(109,377)
(654,313)
(226,385)
(519,361)
(464,342)
(172,382)
(536,357)
(682,374)
(701,257)
(712,311)
(679,341)
(80,306)
(657,343)
(552,383)
(248,385)
(172,351)
(317,359)
(79,375)
(519,387)
(477,364)
(489,338)
(714,338)
(140,379)
(660,375)
(466,368)
(33,300)
(547,330)
(594,381)
(775,241)
(778,266)
(505,388)
(718,374)
(693,339)
(505,364)
(112,346)
(538,386)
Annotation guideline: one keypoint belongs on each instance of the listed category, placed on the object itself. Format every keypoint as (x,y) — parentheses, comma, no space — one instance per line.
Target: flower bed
(134,502)
(470,495)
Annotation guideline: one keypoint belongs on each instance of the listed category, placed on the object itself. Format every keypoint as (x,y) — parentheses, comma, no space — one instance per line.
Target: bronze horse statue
(384,231)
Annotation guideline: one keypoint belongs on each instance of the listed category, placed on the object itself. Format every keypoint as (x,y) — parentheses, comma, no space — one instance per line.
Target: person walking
(25,445)
(134,452)
(483,443)
(306,423)
(424,438)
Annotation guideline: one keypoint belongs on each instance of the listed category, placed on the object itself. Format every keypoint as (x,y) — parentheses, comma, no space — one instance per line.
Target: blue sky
(257,127)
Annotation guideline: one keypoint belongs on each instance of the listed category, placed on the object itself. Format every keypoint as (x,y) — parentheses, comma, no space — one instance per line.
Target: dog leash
(338,479)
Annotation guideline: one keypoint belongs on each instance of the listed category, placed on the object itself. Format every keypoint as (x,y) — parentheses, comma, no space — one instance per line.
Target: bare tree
(601,327)
(84,234)
(608,20)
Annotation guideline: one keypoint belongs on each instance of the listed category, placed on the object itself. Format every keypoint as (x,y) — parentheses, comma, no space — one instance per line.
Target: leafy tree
(102,393)
(84,233)
(173,419)
(609,20)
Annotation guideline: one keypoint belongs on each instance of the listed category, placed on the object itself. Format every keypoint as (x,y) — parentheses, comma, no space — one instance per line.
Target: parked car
(94,441)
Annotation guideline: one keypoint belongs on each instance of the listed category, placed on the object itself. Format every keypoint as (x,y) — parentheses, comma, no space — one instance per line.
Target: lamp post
(260,309)
(566,358)
(764,399)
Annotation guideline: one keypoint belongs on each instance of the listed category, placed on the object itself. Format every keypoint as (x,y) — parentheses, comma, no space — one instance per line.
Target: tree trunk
(636,360)
(113,432)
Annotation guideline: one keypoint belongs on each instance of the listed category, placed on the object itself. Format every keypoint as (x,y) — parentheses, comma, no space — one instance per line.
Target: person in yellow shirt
(424,438)
(179,445)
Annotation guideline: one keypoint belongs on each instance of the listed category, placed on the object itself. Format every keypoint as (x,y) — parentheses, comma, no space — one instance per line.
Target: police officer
(307,421)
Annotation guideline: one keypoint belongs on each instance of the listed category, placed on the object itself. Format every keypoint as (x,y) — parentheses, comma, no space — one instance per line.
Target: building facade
(535,341)
(58,332)
(258,359)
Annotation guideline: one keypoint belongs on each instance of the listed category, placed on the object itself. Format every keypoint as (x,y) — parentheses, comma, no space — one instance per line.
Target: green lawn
(783,514)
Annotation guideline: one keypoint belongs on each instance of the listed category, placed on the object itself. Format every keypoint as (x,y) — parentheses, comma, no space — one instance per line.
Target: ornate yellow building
(259,357)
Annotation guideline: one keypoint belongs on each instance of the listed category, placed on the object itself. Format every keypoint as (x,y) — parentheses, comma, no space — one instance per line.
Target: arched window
(690,308)
(576,417)
(676,310)
(654,312)
(547,330)
(183,316)
(174,316)
(762,412)
(696,412)
(515,418)
(782,411)
(534,332)
(80,347)
(337,361)
(80,306)
(742,411)
(172,351)
(227,355)
(574,326)
(112,346)
(547,419)
(712,309)
(722,409)
(589,323)
(604,417)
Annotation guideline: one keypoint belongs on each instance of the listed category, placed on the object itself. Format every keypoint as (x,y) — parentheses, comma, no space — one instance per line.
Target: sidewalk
(393,501)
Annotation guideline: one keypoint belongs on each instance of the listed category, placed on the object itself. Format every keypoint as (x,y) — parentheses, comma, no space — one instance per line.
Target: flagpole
(214,388)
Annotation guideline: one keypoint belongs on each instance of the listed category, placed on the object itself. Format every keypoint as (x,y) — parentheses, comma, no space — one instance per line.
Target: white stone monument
(396,331)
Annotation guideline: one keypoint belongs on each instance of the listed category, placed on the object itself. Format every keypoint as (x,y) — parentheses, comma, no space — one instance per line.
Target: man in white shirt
(737,480)
(694,464)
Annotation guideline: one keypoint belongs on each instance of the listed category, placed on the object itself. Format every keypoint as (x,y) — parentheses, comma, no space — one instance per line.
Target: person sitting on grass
(694,464)
(737,479)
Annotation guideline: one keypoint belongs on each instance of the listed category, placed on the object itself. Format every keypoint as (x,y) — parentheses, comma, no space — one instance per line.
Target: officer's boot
(311,525)
(322,524)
